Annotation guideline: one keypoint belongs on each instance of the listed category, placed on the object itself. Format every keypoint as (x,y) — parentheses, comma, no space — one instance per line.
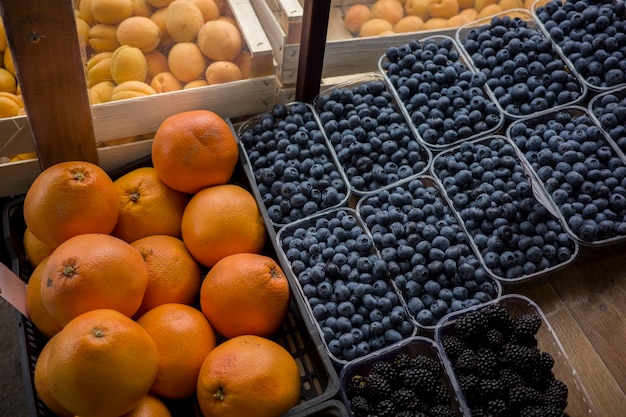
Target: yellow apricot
(8,83)
(458,20)
(183,20)
(443,9)
(128,63)
(4,43)
(84,12)
(10,104)
(355,16)
(244,62)
(390,10)
(489,11)
(220,40)
(186,61)
(470,13)
(222,72)
(510,4)
(195,84)
(82,29)
(435,23)
(374,27)
(159,17)
(131,89)
(142,8)
(417,8)
(157,63)
(104,90)
(165,82)
(99,71)
(481,4)
(111,11)
(140,32)
(159,3)
(209,9)
(103,38)
(409,24)
(9,65)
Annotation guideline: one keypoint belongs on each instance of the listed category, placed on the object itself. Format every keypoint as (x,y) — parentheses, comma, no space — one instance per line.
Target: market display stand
(584,303)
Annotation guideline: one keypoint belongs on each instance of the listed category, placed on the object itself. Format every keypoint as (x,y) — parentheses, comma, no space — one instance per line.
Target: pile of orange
(136,279)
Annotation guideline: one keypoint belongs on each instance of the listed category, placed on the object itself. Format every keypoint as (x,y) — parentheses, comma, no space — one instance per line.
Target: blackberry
(498,317)
(402,361)
(405,413)
(510,378)
(496,339)
(556,394)
(491,388)
(360,406)
(498,408)
(430,364)
(419,379)
(519,357)
(466,362)
(441,396)
(385,408)
(545,362)
(404,398)
(541,411)
(486,362)
(441,411)
(453,345)
(526,327)
(538,379)
(478,411)
(472,327)
(378,387)
(384,369)
(522,395)
(470,386)
(357,385)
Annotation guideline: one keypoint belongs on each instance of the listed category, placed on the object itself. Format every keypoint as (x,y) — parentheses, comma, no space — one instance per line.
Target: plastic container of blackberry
(329,408)
(320,380)
(423,156)
(438,39)
(313,193)
(535,122)
(539,196)
(300,275)
(416,345)
(598,108)
(531,22)
(591,86)
(578,400)
(432,191)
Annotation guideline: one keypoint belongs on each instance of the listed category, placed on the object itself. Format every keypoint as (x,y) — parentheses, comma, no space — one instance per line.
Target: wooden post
(47,55)
(312,47)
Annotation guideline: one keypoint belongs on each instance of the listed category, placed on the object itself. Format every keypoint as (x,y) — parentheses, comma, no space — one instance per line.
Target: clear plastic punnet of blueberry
(523,67)
(407,379)
(608,109)
(581,170)
(428,253)
(591,34)
(373,143)
(515,230)
(293,167)
(345,284)
(442,97)
(504,359)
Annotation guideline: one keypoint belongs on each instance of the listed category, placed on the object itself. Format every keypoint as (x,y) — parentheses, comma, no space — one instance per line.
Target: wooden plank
(43,39)
(605,393)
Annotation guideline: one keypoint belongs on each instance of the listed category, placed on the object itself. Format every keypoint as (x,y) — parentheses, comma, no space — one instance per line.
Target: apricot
(417,8)
(375,27)
(209,9)
(481,4)
(443,9)
(4,43)
(99,69)
(7,61)
(510,4)
(142,8)
(111,11)
(84,12)
(183,20)
(131,89)
(390,10)
(220,40)
(186,61)
(165,82)
(489,11)
(220,72)
(159,17)
(103,38)
(128,63)
(8,83)
(528,4)
(104,90)
(458,20)
(93,97)
(435,23)
(355,16)
(470,13)
(157,62)
(82,29)
(244,62)
(409,24)
(465,4)
(10,104)
(140,32)
(159,3)
(195,84)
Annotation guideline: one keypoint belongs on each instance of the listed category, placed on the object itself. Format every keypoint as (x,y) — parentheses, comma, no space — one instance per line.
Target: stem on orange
(219,395)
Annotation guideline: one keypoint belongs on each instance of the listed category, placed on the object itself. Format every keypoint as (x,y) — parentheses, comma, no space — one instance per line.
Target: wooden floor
(585,303)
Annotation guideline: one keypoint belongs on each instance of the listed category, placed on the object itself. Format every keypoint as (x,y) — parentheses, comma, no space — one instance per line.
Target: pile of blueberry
(427,252)
(580,170)
(372,141)
(592,35)
(523,68)
(445,100)
(345,283)
(516,234)
(610,110)
(293,167)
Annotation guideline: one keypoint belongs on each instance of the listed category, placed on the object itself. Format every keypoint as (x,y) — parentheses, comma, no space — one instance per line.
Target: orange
(193,150)
(93,271)
(147,206)
(150,406)
(40,381)
(183,338)
(68,199)
(101,364)
(174,276)
(245,293)
(220,221)
(35,250)
(248,376)
(37,312)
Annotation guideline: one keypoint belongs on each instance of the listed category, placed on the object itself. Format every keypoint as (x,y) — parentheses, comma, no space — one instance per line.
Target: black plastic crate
(320,381)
